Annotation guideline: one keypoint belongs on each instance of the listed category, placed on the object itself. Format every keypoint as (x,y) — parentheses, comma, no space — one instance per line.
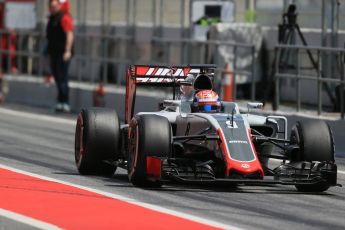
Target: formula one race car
(203,140)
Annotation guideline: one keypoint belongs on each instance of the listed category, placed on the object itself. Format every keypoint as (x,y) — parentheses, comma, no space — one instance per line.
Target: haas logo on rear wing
(151,74)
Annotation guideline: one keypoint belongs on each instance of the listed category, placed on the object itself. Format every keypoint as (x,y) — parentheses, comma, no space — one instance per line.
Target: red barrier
(9,43)
(99,96)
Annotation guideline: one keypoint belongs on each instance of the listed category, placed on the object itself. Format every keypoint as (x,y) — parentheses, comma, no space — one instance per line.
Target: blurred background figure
(60,42)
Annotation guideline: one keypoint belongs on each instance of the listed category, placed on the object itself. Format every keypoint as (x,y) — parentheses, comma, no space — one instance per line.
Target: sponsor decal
(229,126)
(207,94)
(146,74)
(238,142)
(156,80)
(245,166)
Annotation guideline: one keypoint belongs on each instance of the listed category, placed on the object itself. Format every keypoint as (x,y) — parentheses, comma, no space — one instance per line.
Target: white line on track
(37,116)
(129,200)
(27,220)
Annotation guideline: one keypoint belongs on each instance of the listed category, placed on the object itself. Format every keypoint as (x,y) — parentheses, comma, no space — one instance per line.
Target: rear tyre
(150,135)
(315,141)
(97,141)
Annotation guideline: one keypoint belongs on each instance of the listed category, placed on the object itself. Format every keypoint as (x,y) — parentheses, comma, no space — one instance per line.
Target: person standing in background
(60,43)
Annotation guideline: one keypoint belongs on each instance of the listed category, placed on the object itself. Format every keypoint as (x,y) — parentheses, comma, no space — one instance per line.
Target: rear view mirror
(255,105)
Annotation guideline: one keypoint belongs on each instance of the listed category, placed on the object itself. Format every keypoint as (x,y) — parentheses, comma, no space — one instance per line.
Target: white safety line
(129,200)
(37,116)
(27,220)
(89,86)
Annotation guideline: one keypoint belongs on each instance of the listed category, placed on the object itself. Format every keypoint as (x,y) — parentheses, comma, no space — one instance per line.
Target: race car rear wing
(167,76)
(159,76)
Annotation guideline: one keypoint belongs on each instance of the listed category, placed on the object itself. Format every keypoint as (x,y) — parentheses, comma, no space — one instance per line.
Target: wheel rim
(79,144)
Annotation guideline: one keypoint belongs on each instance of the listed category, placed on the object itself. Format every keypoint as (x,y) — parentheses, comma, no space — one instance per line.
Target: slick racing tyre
(315,140)
(97,141)
(149,136)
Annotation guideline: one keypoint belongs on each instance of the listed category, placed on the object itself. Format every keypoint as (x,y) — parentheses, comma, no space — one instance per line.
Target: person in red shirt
(60,43)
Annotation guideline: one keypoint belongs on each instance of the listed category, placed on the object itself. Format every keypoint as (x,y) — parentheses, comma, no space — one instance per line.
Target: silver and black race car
(182,144)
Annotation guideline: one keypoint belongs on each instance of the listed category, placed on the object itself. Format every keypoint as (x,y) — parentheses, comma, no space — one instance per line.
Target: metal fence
(102,51)
(134,12)
(27,56)
(314,73)
(94,53)
(30,56)
(167,51)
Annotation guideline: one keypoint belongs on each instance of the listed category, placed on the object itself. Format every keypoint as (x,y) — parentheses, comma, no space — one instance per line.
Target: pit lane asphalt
(45,147)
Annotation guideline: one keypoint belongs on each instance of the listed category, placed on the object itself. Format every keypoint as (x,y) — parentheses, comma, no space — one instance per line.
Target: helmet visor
(208,108)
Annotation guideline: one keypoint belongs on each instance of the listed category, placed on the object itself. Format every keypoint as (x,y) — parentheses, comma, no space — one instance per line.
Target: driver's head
(206,101)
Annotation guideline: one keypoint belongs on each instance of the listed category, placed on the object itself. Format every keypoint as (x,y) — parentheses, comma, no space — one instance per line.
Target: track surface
(45,147)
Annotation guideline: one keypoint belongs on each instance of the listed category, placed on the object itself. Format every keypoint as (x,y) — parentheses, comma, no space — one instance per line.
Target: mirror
(255,105)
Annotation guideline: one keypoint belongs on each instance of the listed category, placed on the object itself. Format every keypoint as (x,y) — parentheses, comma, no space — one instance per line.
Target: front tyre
(149,136)
(314,137)
(97,141)
(315,141)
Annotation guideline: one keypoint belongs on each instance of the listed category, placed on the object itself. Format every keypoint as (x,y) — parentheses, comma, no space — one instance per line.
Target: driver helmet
(206,101)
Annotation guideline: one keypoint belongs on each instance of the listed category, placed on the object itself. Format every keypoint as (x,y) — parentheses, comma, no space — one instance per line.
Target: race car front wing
(301,173)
